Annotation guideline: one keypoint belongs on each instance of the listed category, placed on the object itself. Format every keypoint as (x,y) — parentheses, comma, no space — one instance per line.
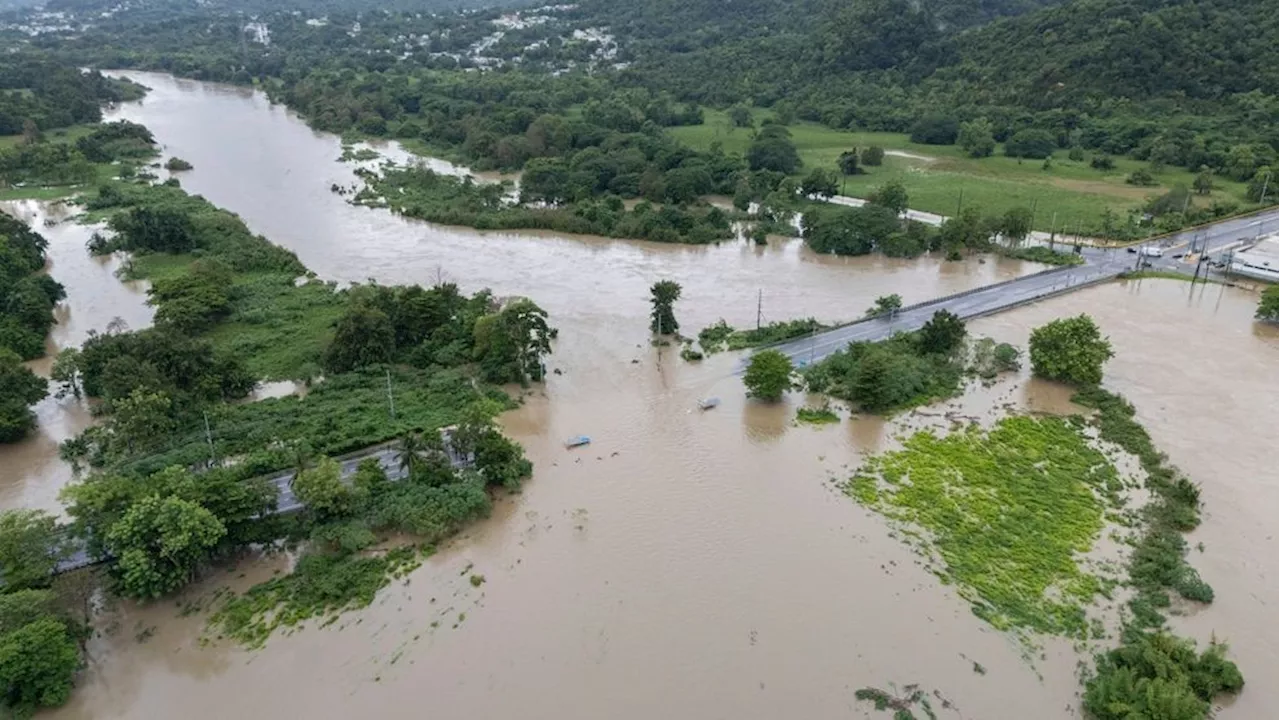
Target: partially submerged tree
(662,317)
(885,305)
(942,334)
(159,543)
(1015,225)
(768,375)
(1071,350)
(30,548)
(1269,305)
(19,388)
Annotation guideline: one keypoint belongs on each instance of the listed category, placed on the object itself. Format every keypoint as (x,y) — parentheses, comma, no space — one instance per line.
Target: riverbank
(731,503)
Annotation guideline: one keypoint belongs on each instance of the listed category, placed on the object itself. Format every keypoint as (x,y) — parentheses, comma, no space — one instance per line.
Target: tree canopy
(1071,350)
(768,375)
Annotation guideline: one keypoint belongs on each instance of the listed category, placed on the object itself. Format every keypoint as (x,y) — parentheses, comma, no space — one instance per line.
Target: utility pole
(391,401)
(813,339)
(1033,213)
(959,202)
(1262,199)
(1053,228)
(208,436)
(759,307)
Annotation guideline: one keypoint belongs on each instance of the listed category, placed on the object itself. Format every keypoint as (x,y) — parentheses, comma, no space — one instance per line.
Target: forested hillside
(1187,86)
(1094,50)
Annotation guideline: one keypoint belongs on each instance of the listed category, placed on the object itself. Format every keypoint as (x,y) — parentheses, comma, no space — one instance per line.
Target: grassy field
(104,171)
(939,178)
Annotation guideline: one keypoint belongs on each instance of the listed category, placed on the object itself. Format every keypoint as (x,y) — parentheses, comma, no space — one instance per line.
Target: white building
(1261,261)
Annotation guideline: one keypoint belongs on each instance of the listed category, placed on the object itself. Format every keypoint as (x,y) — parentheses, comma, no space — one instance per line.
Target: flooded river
(685,564)
(30,472)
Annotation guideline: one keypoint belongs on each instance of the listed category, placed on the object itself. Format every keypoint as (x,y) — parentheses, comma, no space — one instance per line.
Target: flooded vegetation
(701,563)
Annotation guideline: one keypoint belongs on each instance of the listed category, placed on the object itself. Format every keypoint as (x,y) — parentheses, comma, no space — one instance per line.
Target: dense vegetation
(421,193)
(1017,565)
(39,94)
(1268,305)
(946,72)
(62,163)
(27,297)
(906,370)
(1071,350)
(1006,511)
(722,336)
(40,630)
(768,375)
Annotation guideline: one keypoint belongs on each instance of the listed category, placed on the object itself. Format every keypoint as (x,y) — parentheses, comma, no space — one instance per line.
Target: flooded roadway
(686,564)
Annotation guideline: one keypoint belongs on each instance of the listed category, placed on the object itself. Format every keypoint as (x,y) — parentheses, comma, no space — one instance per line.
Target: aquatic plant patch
(1007,512)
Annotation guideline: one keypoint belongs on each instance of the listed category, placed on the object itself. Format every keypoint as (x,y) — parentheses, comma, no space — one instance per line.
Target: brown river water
(688,564)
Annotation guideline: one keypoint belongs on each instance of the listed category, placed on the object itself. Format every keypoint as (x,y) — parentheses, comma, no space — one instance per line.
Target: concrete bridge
(1100,265)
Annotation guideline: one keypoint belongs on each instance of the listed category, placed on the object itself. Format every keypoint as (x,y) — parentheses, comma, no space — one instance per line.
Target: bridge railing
(934,301)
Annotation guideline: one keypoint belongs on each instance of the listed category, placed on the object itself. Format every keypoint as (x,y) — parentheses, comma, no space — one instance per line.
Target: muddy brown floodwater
(30,472)
(686,563)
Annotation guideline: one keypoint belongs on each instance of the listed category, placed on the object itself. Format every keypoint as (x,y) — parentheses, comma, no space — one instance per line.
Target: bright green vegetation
(1007,512)
(1070,194)
(1269,305)
(1070,350)
(346,412)
(1160,676)
(823,415)
(906,370)
(722,336)
(768,375)
(39,633)
(421,193)
(39,651)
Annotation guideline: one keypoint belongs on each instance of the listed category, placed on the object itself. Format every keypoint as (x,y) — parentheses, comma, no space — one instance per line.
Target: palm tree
(410,455)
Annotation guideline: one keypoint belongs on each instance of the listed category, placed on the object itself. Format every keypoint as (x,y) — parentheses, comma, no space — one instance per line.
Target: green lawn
(942,176)
(278,328)
(67,134)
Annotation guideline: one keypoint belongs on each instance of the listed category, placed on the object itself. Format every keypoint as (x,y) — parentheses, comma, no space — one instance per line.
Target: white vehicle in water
(1151,251)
